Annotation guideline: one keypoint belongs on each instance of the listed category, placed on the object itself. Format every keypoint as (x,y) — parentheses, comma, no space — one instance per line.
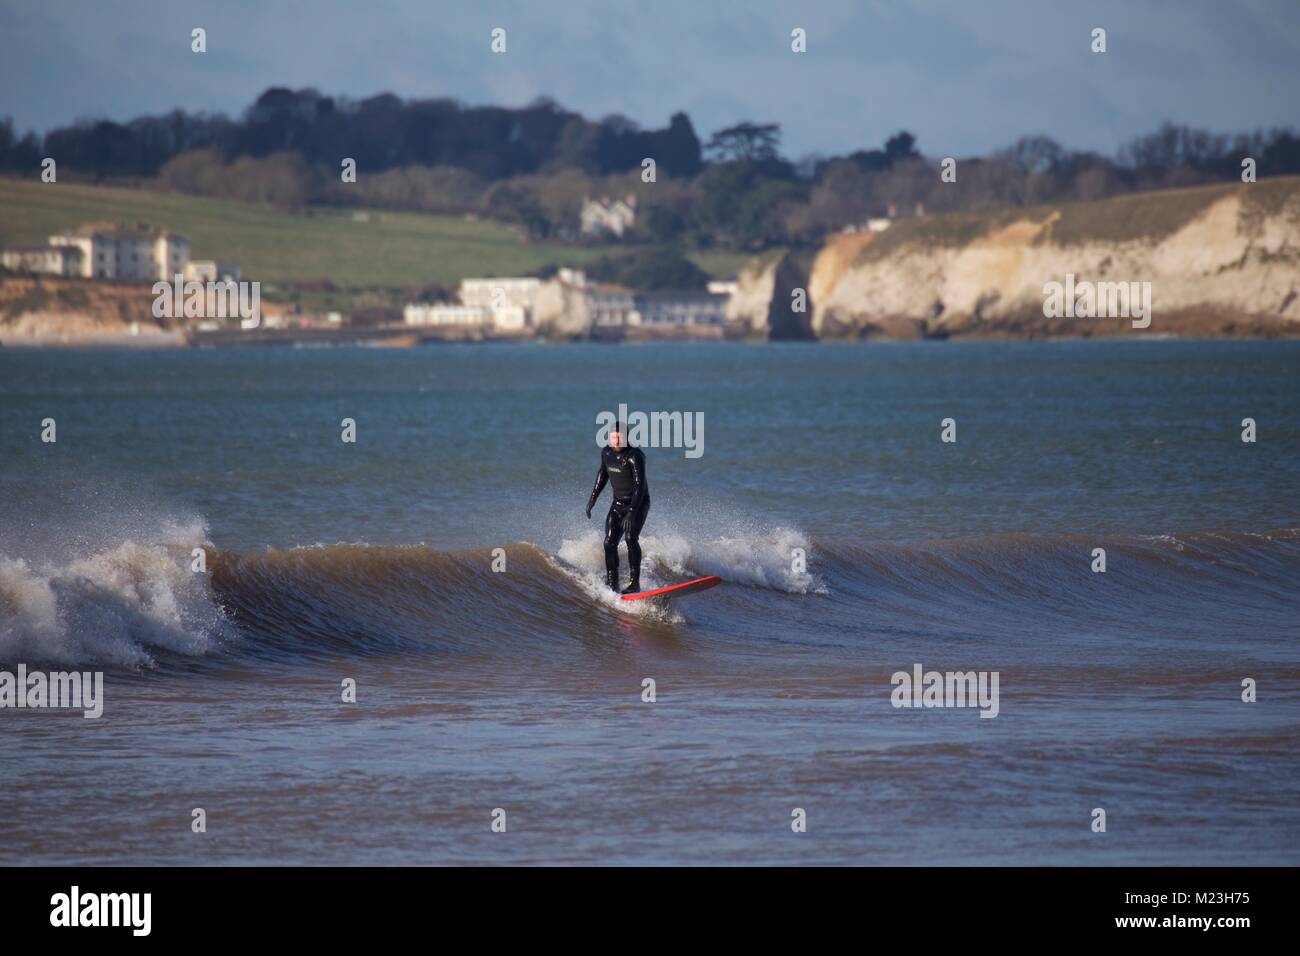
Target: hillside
(1220,260)
(385,252)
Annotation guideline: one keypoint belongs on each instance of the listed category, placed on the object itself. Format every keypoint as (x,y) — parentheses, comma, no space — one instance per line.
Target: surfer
(623,468)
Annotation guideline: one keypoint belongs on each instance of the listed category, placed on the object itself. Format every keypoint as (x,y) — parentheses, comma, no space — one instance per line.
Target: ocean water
(522,690)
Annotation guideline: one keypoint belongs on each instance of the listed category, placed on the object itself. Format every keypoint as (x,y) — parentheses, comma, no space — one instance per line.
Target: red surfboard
(686,587)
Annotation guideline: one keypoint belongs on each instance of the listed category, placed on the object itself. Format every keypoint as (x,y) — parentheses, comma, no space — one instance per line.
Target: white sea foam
(110,607)
(592,581)
(764,561)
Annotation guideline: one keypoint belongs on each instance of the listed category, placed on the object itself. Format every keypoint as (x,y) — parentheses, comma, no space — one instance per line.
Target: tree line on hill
(534,166)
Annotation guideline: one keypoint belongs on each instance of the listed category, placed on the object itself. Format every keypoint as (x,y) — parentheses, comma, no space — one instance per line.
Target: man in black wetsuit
(624,469)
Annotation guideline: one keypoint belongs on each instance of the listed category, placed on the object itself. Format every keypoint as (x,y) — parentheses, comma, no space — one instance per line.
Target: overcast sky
(964,76)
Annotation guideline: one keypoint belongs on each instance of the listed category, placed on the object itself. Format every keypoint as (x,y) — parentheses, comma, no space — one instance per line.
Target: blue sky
(964,76)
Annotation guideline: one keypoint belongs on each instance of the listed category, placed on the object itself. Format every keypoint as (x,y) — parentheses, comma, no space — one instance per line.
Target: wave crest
(116,607)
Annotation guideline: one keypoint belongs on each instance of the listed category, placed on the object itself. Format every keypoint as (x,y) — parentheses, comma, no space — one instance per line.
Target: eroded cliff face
(1220,260)
(49,308)
(833,264)
(764,305)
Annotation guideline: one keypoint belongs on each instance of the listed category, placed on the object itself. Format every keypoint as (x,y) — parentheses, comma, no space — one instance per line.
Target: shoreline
(397,340)
(404,336)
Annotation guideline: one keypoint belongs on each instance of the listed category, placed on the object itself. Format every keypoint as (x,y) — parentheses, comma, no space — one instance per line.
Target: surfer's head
(618,436)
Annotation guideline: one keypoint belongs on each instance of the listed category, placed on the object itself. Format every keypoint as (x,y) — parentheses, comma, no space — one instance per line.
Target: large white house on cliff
(127,252)
(112,251)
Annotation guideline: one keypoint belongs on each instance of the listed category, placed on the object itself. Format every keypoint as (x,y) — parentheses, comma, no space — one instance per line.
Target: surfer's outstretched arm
(602,476)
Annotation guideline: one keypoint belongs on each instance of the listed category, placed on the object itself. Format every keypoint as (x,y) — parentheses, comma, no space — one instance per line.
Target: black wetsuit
(624,470)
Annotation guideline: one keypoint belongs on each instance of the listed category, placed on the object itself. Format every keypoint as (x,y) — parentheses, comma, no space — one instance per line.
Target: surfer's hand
(588,512)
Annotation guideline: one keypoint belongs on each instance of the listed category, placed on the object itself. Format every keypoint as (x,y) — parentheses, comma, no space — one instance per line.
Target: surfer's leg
(633,538)
(613,531)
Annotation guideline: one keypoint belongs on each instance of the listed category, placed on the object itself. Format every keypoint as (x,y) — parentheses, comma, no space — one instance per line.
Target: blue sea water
(854,543)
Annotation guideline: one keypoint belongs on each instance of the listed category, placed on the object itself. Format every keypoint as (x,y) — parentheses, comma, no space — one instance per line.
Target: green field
(390,251)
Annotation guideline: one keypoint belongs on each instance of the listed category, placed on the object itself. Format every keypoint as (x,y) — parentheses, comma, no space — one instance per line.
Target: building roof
(682,295)
(118,230)
(500,279)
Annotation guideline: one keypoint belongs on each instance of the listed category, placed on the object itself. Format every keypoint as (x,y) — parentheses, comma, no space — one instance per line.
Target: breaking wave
(139,604)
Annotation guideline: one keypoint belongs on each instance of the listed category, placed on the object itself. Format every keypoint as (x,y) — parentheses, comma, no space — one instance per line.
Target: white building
(681,308)
(500,293)
(508,301)
(422,313)
(612,308)
(603,217)
(630,309)
(871,225)
(209,270)
(48,260)
(511,318)
(105,251)
(126,252)
(506,304)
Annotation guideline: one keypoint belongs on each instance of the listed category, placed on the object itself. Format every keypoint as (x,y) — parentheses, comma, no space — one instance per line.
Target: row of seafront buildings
(113,251)
(503,305)
(512,306)
(618,309)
